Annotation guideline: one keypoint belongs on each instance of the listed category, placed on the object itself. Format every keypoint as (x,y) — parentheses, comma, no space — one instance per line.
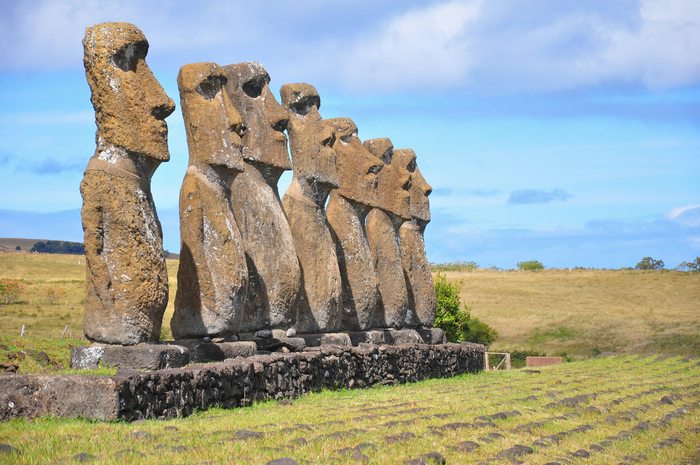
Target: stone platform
(180,353)
(177,392)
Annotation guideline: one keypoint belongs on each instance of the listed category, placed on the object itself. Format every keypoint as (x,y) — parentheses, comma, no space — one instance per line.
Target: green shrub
(648,263)
(456,319)
(530,265)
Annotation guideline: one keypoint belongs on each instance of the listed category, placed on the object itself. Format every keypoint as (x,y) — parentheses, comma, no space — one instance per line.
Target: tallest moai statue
(127,282)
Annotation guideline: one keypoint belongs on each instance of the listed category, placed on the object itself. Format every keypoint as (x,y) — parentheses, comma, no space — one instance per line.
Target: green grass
(440,413)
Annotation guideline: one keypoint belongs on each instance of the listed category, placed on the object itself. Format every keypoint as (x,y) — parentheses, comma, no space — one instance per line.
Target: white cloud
(428,46)
(499,47)
(688,215)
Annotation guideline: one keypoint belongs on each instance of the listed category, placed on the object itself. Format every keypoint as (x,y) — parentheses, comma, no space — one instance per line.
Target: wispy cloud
(530,196)
(452,191)
(49,166)
(688,215)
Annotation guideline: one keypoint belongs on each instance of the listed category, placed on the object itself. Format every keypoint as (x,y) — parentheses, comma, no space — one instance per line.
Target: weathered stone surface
(205,351)
(369,337)
(331,339)
(178,392)
(418,273)
(139,356)
(383,240)
(30,396)
(419,277)
(127,283)
(319,306)
(274,276)
(383,237)
(213,276)
(360,294)
(347,211)
(405,336)
(86,358)
(292,344)
(432,335)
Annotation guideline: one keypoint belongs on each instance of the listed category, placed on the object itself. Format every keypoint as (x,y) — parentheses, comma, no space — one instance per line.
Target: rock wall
(237,382)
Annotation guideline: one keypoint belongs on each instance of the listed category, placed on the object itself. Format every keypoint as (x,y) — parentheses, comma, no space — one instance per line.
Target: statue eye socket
(374,169)
(412,166)
(211,86)
(255,86)
(127,57)
(328,141)
(347,138)
(305,105)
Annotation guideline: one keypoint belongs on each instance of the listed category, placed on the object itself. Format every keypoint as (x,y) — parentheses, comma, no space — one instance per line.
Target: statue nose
(164,109)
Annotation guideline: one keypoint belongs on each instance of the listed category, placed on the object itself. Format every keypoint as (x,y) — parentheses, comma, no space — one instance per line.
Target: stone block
(293,344)
(368,337)
(404,336)
(432,335)
(72,396)
(327,339)
(145,356)
(139,356)
(202,351)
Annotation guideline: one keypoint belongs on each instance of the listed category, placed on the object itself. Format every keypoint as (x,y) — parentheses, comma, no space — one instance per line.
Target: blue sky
(567,132)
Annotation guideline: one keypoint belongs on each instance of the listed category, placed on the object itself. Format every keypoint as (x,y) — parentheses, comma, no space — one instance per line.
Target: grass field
(579,312)
(582,312)
(624,409)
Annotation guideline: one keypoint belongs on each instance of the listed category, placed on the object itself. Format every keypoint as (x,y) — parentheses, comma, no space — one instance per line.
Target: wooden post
(486,361)
(23,331)
(64,332)
(508,361)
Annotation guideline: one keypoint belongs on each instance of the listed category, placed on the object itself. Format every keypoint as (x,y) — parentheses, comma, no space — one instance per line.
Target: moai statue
(319,307)
(419,277)
(213,277)
(274,276)
(347,210)
(127,281)
(383,237)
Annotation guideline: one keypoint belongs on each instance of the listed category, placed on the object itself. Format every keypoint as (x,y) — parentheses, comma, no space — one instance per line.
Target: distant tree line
(66,247)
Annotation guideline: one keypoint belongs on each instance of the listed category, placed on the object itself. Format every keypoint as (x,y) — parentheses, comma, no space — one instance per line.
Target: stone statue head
(420,189)
(130,105)
(358,168)
(310,139)
(394,182)
(211,121)
(264,140)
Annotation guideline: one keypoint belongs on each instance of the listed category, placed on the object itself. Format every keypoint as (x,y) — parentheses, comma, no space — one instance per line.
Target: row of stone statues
(342,251)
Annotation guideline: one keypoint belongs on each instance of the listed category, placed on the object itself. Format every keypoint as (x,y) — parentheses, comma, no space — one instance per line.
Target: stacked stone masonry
(171,393)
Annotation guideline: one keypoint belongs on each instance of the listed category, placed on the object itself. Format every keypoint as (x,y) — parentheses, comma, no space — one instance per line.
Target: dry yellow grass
(578,311)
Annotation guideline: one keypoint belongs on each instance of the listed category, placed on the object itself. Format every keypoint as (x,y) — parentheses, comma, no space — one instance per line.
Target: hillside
(579,312)
(582,312)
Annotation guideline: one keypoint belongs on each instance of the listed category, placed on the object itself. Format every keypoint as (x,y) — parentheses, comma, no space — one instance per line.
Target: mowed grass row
(579,312)
(609,410)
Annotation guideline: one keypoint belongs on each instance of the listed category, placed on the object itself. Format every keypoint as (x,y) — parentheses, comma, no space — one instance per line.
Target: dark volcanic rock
(83,457)
(405,436)
(516,451)
(243,434)
(466,446)
(431,458)
(282,461)
(8,449)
